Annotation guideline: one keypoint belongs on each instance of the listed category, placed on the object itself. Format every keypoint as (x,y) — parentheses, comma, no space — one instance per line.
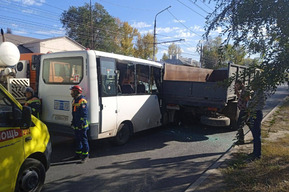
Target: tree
(215,54)
(95,29)
(127,36)
(144,46)
(235,54)
(174,50)
(261,27)
(210,54)
(165,57)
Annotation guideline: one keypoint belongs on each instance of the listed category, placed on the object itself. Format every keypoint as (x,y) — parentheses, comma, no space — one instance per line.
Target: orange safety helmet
(76,88)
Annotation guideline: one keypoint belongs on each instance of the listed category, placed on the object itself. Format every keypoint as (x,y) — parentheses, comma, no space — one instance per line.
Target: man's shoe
(84,159)
(252,157)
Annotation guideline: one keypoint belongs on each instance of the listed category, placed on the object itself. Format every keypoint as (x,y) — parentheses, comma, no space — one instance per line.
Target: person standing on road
(287,79)
(256,105)
(79,123)
(33,102)
(243,97)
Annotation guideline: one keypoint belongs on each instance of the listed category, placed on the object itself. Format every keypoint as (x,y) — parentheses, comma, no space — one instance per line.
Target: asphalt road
(161,159)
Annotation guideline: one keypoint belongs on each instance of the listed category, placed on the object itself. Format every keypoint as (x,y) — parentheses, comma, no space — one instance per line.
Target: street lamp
(155,24)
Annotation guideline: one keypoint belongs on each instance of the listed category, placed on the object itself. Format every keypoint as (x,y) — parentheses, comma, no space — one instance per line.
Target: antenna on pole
(3,37)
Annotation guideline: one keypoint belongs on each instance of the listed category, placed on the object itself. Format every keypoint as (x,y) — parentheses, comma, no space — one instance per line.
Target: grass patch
(271,172)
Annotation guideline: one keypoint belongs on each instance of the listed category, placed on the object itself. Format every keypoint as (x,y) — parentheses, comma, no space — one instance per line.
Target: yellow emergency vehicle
(25,147)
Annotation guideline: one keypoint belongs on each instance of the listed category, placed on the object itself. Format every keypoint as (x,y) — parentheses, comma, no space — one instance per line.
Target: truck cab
(25,146)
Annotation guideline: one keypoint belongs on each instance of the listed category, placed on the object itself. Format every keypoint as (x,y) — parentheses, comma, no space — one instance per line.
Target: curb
(275,109)
(213,168)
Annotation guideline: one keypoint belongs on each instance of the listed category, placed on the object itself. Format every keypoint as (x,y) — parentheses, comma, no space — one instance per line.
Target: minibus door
(108,91)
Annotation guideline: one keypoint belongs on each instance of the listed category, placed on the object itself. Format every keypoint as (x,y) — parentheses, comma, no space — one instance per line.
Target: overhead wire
(186,53)
(182,23)
(49,15)
(43,26)
(191,9)
(199,6)
(127,7)
(207,6)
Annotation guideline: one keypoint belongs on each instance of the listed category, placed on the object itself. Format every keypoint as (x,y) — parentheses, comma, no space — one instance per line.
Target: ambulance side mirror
(26,117)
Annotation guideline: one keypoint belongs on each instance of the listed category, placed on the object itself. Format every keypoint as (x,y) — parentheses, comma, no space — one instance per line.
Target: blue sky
(184,20)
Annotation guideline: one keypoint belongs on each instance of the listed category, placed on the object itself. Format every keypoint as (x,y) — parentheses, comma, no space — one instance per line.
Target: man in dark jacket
(79,123)
(243,97)
(256,105)
(33,102)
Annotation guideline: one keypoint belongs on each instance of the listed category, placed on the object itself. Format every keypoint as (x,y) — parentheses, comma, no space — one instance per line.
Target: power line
(207,6)
(199,7)
(127,7)
(33,26)
(190,8)
(19,5)
(186,53)
(27,15)
(183,24)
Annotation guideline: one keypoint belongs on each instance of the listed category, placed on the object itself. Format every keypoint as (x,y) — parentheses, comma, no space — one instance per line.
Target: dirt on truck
(201,92)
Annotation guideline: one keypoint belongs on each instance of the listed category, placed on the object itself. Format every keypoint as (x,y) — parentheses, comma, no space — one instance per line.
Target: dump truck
(202,93)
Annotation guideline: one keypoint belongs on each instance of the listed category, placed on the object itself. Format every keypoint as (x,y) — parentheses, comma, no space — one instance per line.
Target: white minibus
(122,92)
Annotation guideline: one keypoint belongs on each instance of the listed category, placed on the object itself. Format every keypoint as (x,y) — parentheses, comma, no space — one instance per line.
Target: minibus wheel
(31,176)
(123,134)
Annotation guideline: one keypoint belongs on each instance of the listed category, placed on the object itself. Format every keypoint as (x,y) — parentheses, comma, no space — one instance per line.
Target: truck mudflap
(219,121)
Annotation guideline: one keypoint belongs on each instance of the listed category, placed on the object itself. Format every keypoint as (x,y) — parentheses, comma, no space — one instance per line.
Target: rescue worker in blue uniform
(33,102)
(79,123)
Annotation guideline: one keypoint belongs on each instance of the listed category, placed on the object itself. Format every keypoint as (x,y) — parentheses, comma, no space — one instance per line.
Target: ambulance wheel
(31,176)
(123,134)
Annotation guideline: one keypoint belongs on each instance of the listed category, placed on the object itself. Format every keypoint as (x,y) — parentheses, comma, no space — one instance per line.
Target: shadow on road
(148,140)
(141,174)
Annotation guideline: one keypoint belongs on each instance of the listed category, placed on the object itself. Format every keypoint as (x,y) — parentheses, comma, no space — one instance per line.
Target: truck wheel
(220,121)
(31,176)
(123,134)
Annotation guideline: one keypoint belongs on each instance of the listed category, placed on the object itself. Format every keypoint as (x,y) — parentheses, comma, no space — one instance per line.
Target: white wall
(53,45)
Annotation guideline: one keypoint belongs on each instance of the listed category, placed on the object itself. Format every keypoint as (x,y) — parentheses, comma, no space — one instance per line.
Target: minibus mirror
(26,117)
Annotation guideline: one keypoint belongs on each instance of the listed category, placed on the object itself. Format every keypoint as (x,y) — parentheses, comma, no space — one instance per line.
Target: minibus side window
(108,77)
(126,78)
(142,75)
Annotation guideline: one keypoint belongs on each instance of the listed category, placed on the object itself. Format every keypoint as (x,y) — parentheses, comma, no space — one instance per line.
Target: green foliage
(216,55)
(127,36)
(144,46)
(95,29)
(165,57)
(174,50)
(260,27)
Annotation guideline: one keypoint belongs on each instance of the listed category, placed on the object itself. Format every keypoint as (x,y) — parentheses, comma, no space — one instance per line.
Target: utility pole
(201,56)
(155,24)
(91,27)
